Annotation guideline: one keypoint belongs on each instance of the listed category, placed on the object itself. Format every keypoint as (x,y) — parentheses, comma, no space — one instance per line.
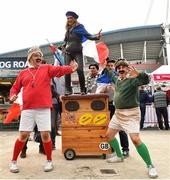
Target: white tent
(162,73)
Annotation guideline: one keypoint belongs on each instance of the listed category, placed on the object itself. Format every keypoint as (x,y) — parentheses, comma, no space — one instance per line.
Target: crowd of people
(159,100)
(123,84)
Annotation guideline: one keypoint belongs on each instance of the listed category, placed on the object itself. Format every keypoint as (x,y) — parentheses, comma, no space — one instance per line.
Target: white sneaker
(115,159)
(152,172)
(13,167)
(48,166)
(108,156)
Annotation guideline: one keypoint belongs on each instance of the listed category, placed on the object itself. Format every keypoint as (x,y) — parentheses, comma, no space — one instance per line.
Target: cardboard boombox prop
(85,120)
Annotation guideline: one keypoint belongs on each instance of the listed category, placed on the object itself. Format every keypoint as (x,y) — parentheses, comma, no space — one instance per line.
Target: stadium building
(143,46)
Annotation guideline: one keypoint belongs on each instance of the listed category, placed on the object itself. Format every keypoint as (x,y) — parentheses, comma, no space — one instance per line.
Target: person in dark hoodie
(75,35)
(143,99)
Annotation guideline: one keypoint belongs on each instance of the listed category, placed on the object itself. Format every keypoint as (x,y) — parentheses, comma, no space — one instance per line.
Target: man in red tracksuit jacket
(37,101)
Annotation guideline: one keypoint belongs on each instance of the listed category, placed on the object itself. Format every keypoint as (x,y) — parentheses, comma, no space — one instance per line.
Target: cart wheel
(69,154)
(104,156)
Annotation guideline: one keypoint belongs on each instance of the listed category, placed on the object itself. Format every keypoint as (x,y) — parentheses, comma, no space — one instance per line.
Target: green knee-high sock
(115,145)
(144,153)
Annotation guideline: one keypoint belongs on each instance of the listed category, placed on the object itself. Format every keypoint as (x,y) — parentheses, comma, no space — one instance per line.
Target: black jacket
(75,36)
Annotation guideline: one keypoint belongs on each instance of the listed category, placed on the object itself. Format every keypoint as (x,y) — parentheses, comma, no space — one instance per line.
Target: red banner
(161,77)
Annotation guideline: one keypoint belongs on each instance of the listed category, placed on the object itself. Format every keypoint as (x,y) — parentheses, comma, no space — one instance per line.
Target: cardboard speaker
(72,106)
(85,103)
(97,105)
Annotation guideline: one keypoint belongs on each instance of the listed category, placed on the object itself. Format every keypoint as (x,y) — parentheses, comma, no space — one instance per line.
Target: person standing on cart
(75,35)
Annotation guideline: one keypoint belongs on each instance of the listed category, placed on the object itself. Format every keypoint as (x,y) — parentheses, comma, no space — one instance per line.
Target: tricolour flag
(58,55)
(99,52)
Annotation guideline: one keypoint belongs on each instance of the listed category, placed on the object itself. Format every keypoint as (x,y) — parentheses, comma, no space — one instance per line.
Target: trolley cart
(85,120)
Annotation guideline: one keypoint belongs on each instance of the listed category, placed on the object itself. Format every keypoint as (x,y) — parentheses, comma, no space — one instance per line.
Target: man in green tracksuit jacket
(127,113)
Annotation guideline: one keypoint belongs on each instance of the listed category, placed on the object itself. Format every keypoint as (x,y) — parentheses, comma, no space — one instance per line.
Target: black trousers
(53,123)
(25,146)
(143,111)
(122,135)
(162,111)
(78,57)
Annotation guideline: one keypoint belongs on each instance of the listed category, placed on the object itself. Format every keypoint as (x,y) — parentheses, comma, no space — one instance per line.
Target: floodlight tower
(167,33)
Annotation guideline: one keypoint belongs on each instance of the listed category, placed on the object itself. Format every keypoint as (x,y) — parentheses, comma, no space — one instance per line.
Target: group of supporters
(118,79)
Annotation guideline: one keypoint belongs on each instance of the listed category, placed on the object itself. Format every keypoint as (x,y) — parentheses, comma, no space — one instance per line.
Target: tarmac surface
(86,167)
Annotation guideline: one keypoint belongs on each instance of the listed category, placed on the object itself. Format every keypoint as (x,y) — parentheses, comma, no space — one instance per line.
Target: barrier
(151,118)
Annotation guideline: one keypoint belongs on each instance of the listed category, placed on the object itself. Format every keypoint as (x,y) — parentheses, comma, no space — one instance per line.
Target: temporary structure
(162,73)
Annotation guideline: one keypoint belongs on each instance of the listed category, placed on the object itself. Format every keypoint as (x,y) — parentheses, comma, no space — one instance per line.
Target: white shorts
(126,119)
(31,117)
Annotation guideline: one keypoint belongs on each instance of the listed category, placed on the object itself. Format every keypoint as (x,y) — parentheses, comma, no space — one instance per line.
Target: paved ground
(157,141)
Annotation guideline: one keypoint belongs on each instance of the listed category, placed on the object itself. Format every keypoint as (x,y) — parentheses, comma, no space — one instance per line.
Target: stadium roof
(143,44)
